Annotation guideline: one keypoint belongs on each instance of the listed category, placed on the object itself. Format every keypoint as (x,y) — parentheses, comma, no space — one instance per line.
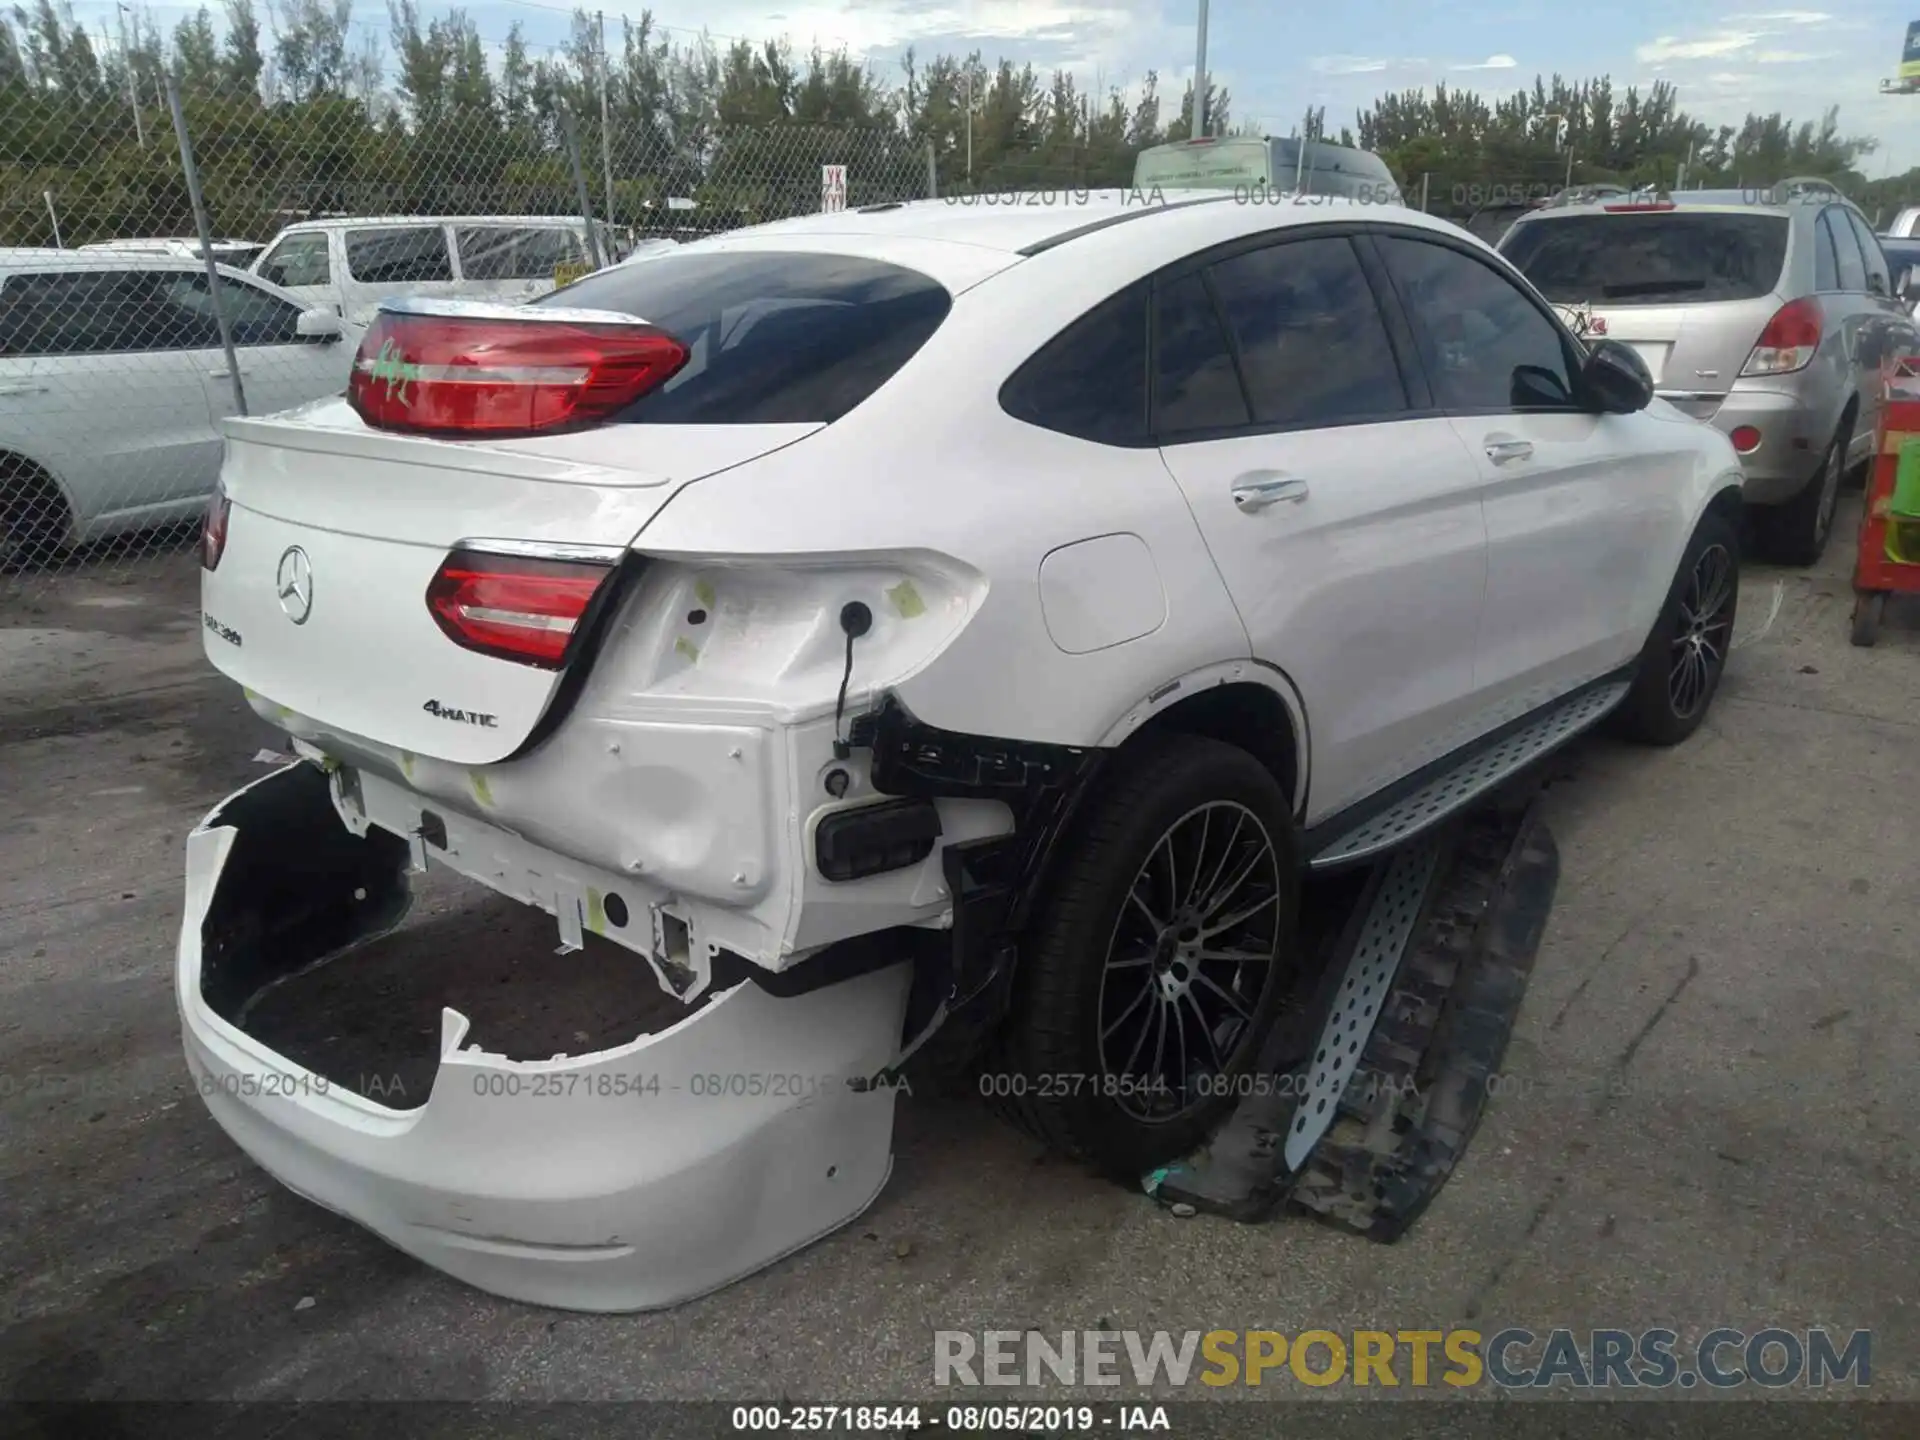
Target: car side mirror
(321,325)
(1615,379)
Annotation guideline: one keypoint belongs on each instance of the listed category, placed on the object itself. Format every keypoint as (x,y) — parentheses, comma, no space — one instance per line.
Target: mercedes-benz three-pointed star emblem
(294,584)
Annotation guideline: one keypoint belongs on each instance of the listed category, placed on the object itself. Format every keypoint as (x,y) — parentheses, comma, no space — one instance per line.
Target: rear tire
(1868,607)
(1157,960)
(1685,656)
(34,522)
(1797,532)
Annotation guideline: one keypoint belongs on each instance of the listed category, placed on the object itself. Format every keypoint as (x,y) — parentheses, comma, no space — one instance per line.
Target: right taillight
(213,529)
(1789,341)
(515,607)
(465,368)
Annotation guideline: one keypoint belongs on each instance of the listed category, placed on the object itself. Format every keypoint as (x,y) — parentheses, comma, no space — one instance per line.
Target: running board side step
(1470,777)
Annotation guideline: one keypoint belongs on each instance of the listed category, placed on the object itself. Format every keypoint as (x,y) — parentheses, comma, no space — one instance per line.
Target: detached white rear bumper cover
(628,1179)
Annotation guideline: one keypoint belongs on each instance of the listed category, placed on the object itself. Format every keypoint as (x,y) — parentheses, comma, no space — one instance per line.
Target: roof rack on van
(1807,187)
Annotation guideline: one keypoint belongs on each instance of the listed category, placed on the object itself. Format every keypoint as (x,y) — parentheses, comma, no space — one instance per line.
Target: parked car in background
(1270,166)
(1770,315)
(351,265)
(238,253)
(1903,258)
(114,385)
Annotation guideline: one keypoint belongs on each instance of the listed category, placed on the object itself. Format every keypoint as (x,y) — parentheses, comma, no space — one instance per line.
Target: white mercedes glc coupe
(936,622)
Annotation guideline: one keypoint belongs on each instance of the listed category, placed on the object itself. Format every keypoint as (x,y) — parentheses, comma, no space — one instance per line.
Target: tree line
(302,110)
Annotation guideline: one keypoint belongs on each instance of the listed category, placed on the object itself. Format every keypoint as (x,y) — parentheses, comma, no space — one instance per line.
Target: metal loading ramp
(1369,1092)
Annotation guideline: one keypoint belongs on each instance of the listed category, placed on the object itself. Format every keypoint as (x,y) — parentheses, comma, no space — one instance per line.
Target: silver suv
(1770,314)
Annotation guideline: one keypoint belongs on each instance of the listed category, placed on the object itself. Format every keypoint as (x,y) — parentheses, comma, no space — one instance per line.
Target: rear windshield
(776,338)
(1666,258)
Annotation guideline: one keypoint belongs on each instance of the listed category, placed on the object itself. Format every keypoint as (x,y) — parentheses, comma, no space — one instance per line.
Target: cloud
(1348,65)
(1784,17)
(1492,62)
(1793,57)
(1706,47)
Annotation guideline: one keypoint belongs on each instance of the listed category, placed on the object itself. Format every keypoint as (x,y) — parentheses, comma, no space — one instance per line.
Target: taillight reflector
(1746,438)
(494,375)
(513,607)
(1789,342)
(213,529)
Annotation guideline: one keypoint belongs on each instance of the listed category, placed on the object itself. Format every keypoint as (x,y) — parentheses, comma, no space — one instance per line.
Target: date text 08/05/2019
(961,1419)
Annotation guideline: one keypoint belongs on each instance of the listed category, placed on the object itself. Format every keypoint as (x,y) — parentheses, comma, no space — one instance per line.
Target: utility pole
(1200,76)
(968,77)
(606,150)
(133,93)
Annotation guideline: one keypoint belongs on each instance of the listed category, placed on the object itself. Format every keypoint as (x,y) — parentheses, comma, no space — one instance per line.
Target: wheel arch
(40,479)
(1246,703)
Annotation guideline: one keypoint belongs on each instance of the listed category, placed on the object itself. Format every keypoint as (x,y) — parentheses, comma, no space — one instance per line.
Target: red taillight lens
(488,375)
(213,530)
(1789,341)
(512,607)
(1746,438)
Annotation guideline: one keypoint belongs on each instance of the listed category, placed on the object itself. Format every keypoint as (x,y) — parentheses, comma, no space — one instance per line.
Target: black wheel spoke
(1227,997)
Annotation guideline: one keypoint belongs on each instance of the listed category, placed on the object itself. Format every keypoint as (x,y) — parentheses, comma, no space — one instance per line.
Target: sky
(1279,59)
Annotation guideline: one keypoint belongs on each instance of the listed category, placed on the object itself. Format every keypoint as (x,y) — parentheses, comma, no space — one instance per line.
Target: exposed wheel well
(1251,717)
(1729,504)
(30,494)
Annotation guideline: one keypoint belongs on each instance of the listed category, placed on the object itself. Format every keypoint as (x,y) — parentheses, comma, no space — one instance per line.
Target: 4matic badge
(465,717)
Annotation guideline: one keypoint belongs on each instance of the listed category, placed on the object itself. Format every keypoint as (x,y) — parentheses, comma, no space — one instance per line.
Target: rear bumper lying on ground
(626,1179)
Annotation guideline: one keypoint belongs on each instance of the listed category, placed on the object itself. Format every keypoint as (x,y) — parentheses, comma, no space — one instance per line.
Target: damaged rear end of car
(440,588)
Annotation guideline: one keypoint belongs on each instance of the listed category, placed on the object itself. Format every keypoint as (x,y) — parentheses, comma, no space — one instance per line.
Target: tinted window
(1853,268)
(1195,386)
(776,338)
(1878,280)
(1090,380)
(501,252)
(397,257)
(298,260)
(1312,344)
(1664,258)
(95,313)
(253,316)
(1826,258)
(1484,344)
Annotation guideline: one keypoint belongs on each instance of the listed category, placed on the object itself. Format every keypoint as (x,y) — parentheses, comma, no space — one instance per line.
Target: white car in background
(114,386)
(932,621)
(351,264)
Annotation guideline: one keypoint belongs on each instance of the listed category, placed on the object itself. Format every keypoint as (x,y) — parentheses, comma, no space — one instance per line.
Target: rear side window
(776,338)
(1090,380)
(1312,344)
(400,256)
(507,252)
(96,313)
(1878,280)
(1853,266)
(1663,258)
(1826,256)
(298,260)
(1195,383)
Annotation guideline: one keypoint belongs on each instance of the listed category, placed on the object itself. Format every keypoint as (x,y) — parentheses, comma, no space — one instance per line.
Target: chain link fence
(115,374)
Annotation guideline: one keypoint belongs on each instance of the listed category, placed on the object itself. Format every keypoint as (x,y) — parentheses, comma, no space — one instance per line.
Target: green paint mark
(596,912)
(283,712)
(907,600)
(480,790)
(406,764)
(388,366)
(703,592)
(250,694)
(687,648)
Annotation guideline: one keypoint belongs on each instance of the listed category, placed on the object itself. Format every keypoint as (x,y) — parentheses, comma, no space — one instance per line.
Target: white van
(351,265)
(1267,167)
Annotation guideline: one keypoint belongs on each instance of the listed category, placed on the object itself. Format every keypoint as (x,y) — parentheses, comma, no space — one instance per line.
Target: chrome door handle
(1263,488)
(1501,451)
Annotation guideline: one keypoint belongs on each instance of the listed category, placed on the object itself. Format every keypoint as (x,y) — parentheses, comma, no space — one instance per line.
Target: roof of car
(333,222)
(1764,200)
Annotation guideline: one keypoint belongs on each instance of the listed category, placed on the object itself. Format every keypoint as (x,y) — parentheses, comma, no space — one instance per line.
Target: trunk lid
(1694,351)
(366,518)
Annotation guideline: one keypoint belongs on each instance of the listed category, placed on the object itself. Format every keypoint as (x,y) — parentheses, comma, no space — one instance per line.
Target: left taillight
(506,370)
(213,529)
(515,607)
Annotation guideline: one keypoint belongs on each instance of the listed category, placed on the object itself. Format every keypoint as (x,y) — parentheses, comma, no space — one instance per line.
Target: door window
(253,316)
(298,260)
(1878,280)
(1485,345)
(512,252)
(1196,385)
(404,256)
(1312,344)
(96,313)
(1853,266)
